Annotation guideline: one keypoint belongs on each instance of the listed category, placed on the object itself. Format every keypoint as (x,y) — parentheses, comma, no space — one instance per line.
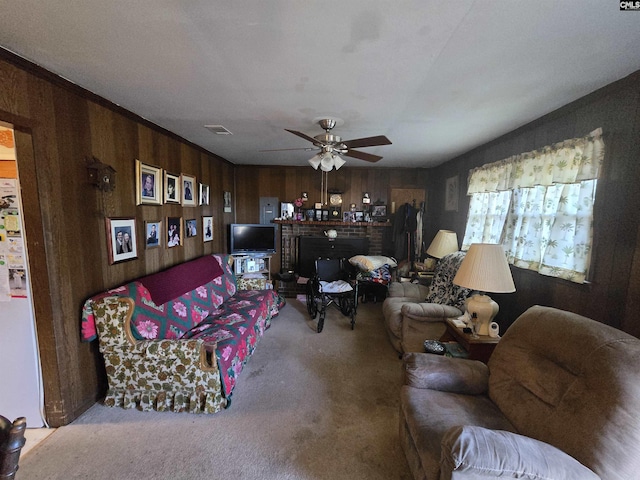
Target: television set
(252,238)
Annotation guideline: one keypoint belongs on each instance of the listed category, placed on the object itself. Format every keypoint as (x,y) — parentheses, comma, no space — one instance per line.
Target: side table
(479,348)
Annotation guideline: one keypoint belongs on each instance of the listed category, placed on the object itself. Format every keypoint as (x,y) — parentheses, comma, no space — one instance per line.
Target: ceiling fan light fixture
(315,161)
(338,161)
(326,164)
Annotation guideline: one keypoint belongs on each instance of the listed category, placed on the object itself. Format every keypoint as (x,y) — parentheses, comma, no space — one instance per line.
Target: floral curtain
(539,205)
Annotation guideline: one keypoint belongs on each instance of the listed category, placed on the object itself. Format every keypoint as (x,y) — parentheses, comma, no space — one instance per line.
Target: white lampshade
(485,268)
(444,243)
(338,161)
(315,161)
(326,164)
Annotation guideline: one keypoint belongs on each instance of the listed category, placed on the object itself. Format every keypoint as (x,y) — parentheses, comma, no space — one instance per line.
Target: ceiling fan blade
(362,155)
(304,135)
(306,149)
(367,142)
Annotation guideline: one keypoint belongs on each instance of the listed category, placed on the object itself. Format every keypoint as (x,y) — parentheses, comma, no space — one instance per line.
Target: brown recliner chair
(414,313)
(11,442)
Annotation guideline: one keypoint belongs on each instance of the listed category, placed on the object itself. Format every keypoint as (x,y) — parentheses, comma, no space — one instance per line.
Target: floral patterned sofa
(178,339)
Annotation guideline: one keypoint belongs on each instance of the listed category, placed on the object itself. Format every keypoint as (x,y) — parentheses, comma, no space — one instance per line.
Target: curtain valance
(570,161)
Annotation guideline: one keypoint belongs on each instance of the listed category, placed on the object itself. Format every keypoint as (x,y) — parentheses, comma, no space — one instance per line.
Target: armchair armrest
(455,375)
(429,312)
(476,452)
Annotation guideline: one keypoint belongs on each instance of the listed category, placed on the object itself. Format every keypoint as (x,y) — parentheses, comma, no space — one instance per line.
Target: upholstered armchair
(414,313)
(558,399)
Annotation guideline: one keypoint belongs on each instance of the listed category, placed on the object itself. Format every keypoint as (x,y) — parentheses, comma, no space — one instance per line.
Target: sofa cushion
(233,330)
(473,450)
(442,289)
(180,279)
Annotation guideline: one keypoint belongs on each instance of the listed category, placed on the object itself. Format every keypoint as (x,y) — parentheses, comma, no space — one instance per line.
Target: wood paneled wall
(612,296)
(58,126)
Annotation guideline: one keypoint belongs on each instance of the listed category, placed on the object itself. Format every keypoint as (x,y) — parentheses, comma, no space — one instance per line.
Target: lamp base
(485,309)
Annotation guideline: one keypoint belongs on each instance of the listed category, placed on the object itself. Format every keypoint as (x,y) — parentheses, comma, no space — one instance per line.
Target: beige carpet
(307,406)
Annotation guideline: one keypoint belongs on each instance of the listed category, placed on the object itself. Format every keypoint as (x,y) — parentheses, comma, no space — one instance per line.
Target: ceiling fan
(332,146)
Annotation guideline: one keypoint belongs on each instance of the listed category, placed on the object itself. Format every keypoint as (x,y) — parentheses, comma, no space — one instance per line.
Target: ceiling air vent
(218,129)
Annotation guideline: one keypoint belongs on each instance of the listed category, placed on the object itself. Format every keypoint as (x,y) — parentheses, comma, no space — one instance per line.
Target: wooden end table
(479,348)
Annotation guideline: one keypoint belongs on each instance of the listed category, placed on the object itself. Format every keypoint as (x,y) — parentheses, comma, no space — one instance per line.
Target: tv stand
(249,264)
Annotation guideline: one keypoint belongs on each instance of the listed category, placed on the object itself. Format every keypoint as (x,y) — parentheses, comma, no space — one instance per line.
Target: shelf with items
(252,271)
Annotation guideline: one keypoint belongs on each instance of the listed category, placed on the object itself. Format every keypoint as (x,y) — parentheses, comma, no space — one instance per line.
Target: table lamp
(444,243)
(485,269)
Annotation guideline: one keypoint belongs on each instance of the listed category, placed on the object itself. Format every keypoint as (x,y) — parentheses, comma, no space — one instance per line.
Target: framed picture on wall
(188,183)
(174,232)
(191,227)
(227,202)
(451,195)
(148,184)
(204,194)
(172,190)
(121,239)
(153,234)
(207,229)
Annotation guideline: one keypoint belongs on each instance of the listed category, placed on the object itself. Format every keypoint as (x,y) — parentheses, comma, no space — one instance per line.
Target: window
(539,205)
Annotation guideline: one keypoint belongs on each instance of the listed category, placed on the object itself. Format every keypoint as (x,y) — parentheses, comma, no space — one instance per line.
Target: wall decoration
(153,234)
(191,227)
(227,202)
(148,184)
(204,194)
(172,190)
(451,195)
(101,175)
(121,239)
(189,192)
(207,229)
(174,231)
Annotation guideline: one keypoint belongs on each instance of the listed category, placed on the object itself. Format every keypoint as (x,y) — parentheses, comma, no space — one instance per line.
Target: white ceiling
(437,77)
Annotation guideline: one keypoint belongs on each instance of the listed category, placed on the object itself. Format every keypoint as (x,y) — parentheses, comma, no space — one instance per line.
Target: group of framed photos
(122,238)
(155,186)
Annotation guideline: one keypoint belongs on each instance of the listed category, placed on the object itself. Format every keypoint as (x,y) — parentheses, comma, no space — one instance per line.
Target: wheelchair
(332,284)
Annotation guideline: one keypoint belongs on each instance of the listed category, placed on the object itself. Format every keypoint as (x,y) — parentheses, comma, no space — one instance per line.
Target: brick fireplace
(291,231)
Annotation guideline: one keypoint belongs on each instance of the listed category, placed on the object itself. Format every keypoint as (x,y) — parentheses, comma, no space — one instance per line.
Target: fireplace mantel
(333,223)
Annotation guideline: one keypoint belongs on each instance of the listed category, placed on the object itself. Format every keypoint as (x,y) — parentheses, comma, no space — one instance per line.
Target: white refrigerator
(21,391)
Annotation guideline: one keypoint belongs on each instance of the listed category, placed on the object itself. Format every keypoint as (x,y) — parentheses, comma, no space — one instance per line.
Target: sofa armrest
(455,375)
(189,351)
(475,452)
(429,312)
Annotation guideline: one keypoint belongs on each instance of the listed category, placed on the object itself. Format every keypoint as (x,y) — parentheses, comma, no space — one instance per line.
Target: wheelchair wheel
(312,306)
(321,322)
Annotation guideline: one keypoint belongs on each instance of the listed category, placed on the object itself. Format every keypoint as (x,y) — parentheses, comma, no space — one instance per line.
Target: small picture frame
(174,232)
(188,184)
(204,194)
(451,194)
(152,234)
(121,239)
(358,216)
(226,202)
(148,184)
(207,229)
(378,212)
(348,216)
(172,190)
(191,228)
